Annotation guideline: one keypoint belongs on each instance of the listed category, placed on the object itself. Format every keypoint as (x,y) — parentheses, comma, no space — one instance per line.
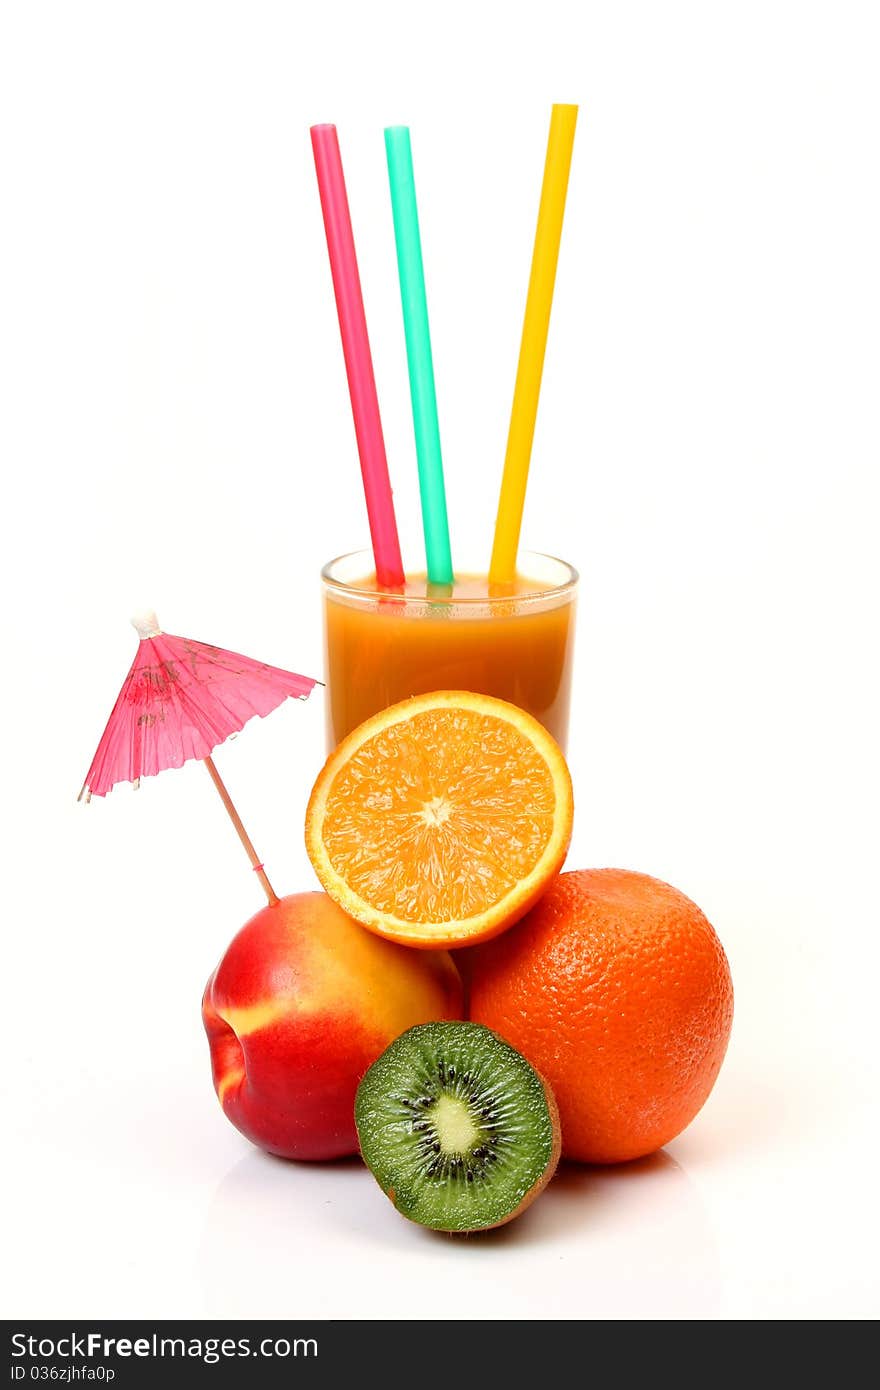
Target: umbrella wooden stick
(242,833)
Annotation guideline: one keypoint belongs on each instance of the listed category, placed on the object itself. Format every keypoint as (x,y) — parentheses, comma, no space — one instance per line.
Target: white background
(176,432)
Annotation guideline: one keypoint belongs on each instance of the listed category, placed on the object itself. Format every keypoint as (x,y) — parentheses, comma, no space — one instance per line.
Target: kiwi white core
(453,1122)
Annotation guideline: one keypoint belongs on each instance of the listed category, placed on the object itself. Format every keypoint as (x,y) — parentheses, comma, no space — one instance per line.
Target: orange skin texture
(618,991)
(302,1003)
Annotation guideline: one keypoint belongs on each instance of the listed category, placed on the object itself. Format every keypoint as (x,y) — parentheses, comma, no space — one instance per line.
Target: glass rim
(529,596)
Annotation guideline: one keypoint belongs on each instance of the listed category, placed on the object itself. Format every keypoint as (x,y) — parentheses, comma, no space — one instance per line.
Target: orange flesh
(436,818)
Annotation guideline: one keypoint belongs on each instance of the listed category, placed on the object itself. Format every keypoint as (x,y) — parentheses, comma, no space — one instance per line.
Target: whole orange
(618,991)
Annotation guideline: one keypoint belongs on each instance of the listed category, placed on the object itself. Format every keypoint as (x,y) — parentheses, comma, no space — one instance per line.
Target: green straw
(418,354)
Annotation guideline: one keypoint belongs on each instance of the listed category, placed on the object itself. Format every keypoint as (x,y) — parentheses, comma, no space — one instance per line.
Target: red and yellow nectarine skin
(302,1003)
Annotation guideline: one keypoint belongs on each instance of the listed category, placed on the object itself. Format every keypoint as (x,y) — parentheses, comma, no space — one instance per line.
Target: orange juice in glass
(383,647)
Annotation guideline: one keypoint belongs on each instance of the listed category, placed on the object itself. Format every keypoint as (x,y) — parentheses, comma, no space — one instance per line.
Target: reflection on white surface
(630,1241)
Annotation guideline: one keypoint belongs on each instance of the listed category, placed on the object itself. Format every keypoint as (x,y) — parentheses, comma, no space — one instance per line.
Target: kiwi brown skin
(533,1192)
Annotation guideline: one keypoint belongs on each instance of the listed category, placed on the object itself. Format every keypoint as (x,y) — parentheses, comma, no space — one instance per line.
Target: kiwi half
(457,1127)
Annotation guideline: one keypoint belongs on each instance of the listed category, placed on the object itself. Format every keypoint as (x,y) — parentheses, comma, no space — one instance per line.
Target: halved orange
(440,821)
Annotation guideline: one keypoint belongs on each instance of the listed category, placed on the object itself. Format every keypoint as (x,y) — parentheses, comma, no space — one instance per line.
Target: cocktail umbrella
(180,700)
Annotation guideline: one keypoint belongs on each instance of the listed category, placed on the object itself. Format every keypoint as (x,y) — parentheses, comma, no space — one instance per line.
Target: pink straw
(358,361)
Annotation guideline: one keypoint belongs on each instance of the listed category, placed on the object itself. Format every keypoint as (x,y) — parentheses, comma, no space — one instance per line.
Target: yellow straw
(536,323)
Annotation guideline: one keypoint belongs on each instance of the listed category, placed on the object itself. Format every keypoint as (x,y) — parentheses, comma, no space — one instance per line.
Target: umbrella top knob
(145,623)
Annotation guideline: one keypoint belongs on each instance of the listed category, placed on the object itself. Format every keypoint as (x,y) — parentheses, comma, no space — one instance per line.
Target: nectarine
(302,1003)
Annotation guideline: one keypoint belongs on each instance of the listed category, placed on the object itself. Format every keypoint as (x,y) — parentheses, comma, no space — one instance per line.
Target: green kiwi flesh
(457,1127)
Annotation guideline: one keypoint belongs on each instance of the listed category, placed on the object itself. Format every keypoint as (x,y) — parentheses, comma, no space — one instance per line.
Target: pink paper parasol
(180,700)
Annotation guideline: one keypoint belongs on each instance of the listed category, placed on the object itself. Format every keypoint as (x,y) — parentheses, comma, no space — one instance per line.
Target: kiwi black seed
(457,1127)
